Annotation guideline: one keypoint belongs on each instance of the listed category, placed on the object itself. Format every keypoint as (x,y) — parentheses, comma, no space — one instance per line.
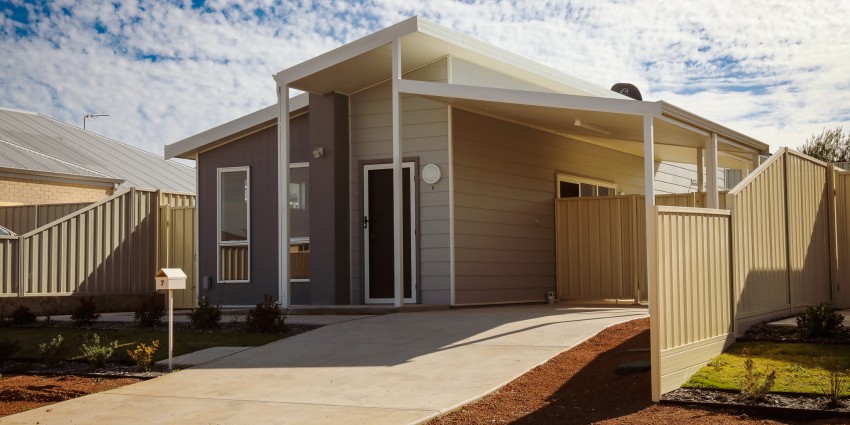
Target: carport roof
(612,123)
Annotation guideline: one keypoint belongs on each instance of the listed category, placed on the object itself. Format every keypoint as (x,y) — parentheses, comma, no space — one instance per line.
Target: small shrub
(206,316)
(266,316)
(52,351)
(5,318)
(150,312)
(22,316)
(819,320)
(95,352)
(755,385)
(835,385)
(143,354)
(86,312)
(8,347)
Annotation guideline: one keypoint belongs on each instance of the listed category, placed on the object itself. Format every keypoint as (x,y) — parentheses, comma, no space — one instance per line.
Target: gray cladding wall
(259,152)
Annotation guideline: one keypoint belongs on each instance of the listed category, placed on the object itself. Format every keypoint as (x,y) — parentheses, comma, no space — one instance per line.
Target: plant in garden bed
(52,351)
(8,347)
(143,354)
(206,316)
(819,320)
(96,352)
(23,316)
(86,312)
(836,383)
(150,312)
(266,316)
(755,385)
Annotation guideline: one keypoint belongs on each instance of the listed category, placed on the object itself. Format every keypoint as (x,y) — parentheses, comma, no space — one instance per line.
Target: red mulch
(24,392)
(580,386)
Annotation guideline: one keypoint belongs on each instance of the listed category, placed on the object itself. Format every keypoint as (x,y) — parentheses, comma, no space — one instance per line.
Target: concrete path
(392,369)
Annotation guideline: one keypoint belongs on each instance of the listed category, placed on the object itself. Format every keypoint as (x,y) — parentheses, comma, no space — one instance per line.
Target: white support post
(651,252)
(711,172)
(700,170)
(283,194)
(398,226)
(649,195)
(756,159)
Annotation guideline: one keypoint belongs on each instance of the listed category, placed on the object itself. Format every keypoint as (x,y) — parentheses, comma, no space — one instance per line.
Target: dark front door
(378,233)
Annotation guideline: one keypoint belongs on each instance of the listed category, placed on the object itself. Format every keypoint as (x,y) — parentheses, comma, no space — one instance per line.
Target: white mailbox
(170,279)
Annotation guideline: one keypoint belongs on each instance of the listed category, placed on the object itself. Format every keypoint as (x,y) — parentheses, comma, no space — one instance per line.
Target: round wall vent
(431,174)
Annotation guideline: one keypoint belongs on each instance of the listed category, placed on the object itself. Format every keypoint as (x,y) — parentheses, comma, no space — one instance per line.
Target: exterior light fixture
(319,152)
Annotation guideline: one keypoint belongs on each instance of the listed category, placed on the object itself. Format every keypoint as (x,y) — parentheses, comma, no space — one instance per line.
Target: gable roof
(37,144)
(367,61)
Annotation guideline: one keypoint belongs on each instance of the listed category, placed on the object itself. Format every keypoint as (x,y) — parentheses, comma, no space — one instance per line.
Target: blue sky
(775,70)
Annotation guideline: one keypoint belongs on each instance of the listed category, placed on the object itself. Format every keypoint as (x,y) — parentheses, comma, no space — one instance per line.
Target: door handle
(365,222)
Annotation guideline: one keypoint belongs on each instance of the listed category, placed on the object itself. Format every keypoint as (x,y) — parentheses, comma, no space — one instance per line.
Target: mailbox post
(170,279)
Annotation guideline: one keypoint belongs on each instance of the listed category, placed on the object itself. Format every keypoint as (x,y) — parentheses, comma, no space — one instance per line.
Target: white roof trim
(194,143)
(521,97)
(348,51)
(726,135)
(504,58)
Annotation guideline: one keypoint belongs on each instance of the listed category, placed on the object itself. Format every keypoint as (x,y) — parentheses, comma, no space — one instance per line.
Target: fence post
(20,262)
(833,231)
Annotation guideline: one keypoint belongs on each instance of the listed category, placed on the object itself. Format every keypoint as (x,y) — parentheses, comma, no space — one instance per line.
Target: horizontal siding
(504,204)
(424,135)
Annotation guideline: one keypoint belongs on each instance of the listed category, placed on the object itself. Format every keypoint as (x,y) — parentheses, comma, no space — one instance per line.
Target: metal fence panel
(808,230)
(691,296)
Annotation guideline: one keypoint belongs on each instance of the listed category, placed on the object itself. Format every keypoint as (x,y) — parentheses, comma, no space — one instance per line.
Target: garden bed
(23,392)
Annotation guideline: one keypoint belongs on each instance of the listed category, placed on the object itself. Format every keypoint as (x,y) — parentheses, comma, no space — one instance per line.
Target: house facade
(423,168)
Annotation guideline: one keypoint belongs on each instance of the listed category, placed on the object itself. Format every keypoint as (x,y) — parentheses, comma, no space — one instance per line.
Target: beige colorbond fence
(841,241)
(693,199)
(25,218)
(601,244)
(110,247)
(789,240)
(781,237)
(690,301)
(8,258)
(597,250)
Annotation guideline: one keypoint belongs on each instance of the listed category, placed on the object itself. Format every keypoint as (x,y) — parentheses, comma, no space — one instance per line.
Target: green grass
(800,368)
(128,338)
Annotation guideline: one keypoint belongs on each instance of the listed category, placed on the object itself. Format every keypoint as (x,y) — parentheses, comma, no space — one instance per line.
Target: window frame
(299,240)
(569,178)
(219,242)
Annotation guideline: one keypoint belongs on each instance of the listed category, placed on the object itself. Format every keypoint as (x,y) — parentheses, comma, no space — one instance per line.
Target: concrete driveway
(394,369)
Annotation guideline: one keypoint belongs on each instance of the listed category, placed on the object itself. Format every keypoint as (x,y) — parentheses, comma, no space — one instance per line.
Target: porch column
(283,194)
(755,164)
(649,196)
(398,226)
(711,172)
(700,170)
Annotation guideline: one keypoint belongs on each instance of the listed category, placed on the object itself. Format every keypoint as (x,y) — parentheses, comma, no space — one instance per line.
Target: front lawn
(800,368)
(184,341)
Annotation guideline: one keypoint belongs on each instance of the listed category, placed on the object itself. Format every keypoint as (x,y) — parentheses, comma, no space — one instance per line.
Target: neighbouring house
(423,166)
(93,216)
(46,161)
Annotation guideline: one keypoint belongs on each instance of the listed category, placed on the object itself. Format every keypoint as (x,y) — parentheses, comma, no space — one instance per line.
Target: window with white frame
(234,224)
(299,222)
(580,187)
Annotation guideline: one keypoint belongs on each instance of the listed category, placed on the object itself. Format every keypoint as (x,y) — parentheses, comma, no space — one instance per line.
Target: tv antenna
(89,115)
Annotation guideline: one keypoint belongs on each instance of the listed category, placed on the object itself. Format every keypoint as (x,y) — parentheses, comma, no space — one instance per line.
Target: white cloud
(778,72)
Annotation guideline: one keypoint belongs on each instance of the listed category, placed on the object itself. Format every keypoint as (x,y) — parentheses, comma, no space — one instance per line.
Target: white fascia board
(190,145)
(347,51)
(726,134)
(508,60)
(522,97)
